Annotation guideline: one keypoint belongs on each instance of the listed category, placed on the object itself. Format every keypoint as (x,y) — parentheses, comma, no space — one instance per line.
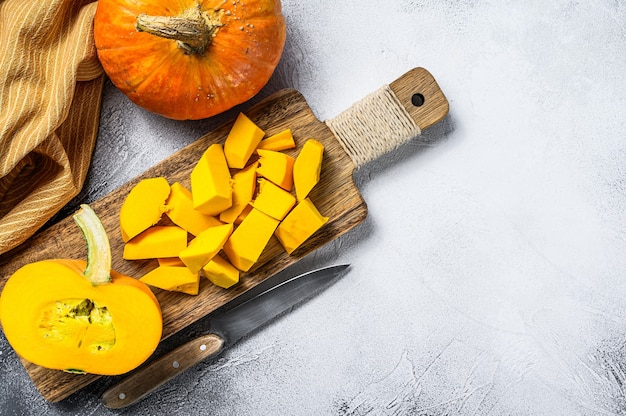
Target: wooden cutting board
(336,196)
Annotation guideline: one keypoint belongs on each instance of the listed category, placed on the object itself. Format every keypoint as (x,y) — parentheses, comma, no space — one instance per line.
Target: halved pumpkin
(81,317)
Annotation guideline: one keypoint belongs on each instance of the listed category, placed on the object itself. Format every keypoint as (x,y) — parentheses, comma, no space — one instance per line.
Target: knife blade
(225,330)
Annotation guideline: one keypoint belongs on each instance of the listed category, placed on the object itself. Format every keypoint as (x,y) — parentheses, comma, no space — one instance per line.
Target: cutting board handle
(390,116)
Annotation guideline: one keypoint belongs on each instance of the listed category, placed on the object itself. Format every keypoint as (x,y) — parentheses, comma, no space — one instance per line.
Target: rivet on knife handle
(155,374)
(389,117)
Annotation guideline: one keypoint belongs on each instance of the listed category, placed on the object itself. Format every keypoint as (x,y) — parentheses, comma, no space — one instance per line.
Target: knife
(225,330)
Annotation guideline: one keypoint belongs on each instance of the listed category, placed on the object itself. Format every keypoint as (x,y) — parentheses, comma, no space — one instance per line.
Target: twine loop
(376,125)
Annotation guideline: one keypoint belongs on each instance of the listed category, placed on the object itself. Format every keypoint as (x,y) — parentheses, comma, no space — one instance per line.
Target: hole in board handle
(417,100)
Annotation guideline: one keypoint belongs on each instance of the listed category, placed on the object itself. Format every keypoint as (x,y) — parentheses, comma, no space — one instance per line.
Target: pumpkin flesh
(79,316)
(64,322)
(160,76)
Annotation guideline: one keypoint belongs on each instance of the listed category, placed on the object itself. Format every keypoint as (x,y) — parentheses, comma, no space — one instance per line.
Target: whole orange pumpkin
(189,59)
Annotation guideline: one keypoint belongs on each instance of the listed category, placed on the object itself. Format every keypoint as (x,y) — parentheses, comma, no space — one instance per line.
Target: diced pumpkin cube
(299,225)
(210,182)
(170,262)
(279,141)
(155,242)
(307,168)
(179,208)
(273,200)
(247,242)
(241,142)
(220,272)
(172,278)
(276,167)
(143,207)
(244,185)
(205,246)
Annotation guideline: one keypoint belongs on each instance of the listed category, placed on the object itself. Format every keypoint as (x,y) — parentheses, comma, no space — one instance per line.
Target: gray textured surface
(489,276)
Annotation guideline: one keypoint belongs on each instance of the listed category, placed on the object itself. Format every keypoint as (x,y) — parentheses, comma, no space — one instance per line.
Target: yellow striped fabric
(50,94)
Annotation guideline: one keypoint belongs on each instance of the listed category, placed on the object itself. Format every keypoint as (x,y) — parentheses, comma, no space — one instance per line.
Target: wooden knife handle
(153,375)
(390,116)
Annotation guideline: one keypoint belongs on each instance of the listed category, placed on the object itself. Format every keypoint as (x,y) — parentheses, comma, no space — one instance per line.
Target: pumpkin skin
(29,298)
(160,76)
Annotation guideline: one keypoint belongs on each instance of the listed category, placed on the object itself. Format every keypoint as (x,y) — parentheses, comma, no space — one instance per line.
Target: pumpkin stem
(192,30)
(98,270)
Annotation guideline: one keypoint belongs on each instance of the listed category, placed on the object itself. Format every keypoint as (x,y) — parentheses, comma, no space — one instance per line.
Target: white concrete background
(489,277)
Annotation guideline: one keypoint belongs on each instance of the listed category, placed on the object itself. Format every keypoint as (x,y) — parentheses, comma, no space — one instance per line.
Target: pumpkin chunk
(307,168)
(155,242)
(276,167)
(244,185)
(210,182)
(221,273)
(247,242)
(241,142)
(179,208)
(273,200)
(205,246)
(143,207)
(279,141)
(173,278)
(299,225)
(170,261)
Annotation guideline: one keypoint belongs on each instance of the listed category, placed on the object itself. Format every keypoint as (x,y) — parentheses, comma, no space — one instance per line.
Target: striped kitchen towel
(50,95)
